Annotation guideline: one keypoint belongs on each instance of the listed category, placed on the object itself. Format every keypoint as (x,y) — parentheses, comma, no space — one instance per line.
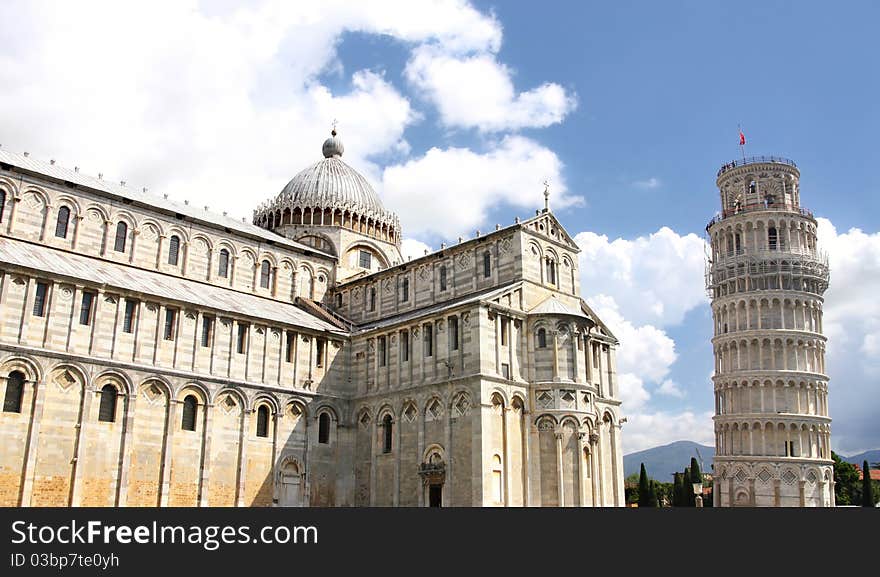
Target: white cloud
(646,430)
(428,192)
(477,91)
(851,321)
(669,388)
(411,248)
(650,183)
(654,279)
(209,101)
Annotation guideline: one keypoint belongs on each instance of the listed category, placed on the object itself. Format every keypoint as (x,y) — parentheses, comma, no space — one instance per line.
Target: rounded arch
(326,408)
(126,217)
(70,202)
(544,420)
(273,260)
(228,245)
(193,387)
(297,407)
(37,191)
(230,392)
(115,377)
(498,394)
(180,232)
(263,398)
(377,250)
(570,420)
(247,251)
(77,368)
(31,368)
(434,449)
(204,238)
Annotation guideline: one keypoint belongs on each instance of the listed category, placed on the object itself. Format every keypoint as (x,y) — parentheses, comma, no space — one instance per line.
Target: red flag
(742,138)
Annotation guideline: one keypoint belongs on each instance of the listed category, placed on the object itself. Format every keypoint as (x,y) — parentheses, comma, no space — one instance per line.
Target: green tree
(676,490)
(687,490)
(696,474)
(652,495)
(867,488)
(846,481)
(644,488)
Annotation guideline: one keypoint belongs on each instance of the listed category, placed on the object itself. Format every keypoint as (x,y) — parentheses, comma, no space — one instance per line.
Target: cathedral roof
(553,306)
(137,280)
(59,173)
(331,184)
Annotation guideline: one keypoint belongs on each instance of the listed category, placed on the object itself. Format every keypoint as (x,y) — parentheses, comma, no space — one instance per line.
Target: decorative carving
(410,413)
(65,380)
(461,405)
(387,285)
(365,419)
(415,331)
(789,477)
(435,410)
(546,425)
(423,273)
(464,260)
(764,475)
(545,398)
(505,245)
(466,318)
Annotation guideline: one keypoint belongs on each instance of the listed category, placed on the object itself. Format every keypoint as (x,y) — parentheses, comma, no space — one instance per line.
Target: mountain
(871,456)
(662,462)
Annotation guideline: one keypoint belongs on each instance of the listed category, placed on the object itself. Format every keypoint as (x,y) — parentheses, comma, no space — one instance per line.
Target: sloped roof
(57,172)
(139,281)
(553,306)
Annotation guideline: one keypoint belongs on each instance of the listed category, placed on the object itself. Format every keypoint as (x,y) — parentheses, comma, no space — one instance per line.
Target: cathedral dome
(330,193)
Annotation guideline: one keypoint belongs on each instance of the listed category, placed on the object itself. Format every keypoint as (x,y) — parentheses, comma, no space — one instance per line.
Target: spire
(546,196)
(333,145)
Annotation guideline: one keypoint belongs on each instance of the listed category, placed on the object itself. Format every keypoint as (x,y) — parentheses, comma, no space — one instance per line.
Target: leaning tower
(766,278)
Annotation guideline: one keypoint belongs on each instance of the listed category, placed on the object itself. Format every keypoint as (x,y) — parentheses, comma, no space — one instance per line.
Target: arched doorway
(291,479)
(433,473)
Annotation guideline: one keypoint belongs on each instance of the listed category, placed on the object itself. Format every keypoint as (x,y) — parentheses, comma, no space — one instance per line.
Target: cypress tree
(867,489)
(676,490)
(687,491)
(652,496)
(644,488)
(696,477)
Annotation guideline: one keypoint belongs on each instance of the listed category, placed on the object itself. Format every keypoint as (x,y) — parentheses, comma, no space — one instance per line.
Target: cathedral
(154,353)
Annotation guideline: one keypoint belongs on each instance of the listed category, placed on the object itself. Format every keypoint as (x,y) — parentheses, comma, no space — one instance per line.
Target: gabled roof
(144,282)
(551,223)
(553,306)
(58,173)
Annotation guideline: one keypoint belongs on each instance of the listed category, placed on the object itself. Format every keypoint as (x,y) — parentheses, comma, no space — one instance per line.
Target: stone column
(77,225)
(205,473)
(46,214)
(560,477)
(168,449)
(30,453)
(126,449)
(82,428)
(555,334)
(242,457)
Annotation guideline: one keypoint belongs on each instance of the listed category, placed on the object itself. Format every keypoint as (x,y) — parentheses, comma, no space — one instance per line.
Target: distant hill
(871,456)
(662,462)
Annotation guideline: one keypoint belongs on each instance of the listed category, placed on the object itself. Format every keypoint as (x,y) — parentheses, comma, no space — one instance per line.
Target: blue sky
(628,107)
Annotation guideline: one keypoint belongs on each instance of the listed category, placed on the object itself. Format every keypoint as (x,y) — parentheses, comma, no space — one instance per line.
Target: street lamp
(698,493)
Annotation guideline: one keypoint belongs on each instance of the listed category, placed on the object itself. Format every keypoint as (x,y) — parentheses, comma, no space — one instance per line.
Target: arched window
(263,421)
(173,249)
(753,187)
(61,223)
(772,238)
(443,278)
(107,408)
(372,298)
(487,264)
(497,480)
(386,434)
(324,429)
(542,339)
(2,203)
(14,392)
(265,274)
(190,407)
(405,290)
(223,267)
(121,236)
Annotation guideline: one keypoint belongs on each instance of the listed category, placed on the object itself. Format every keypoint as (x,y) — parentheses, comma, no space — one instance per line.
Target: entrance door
(291,486)
(435,495)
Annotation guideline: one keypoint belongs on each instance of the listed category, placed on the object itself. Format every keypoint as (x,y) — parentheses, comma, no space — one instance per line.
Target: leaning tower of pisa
(766,277)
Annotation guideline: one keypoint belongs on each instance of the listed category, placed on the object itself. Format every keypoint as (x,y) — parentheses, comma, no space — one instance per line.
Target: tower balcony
(755,160)
(758,207)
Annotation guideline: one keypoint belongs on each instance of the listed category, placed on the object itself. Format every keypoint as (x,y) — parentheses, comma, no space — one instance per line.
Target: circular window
(320,279)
